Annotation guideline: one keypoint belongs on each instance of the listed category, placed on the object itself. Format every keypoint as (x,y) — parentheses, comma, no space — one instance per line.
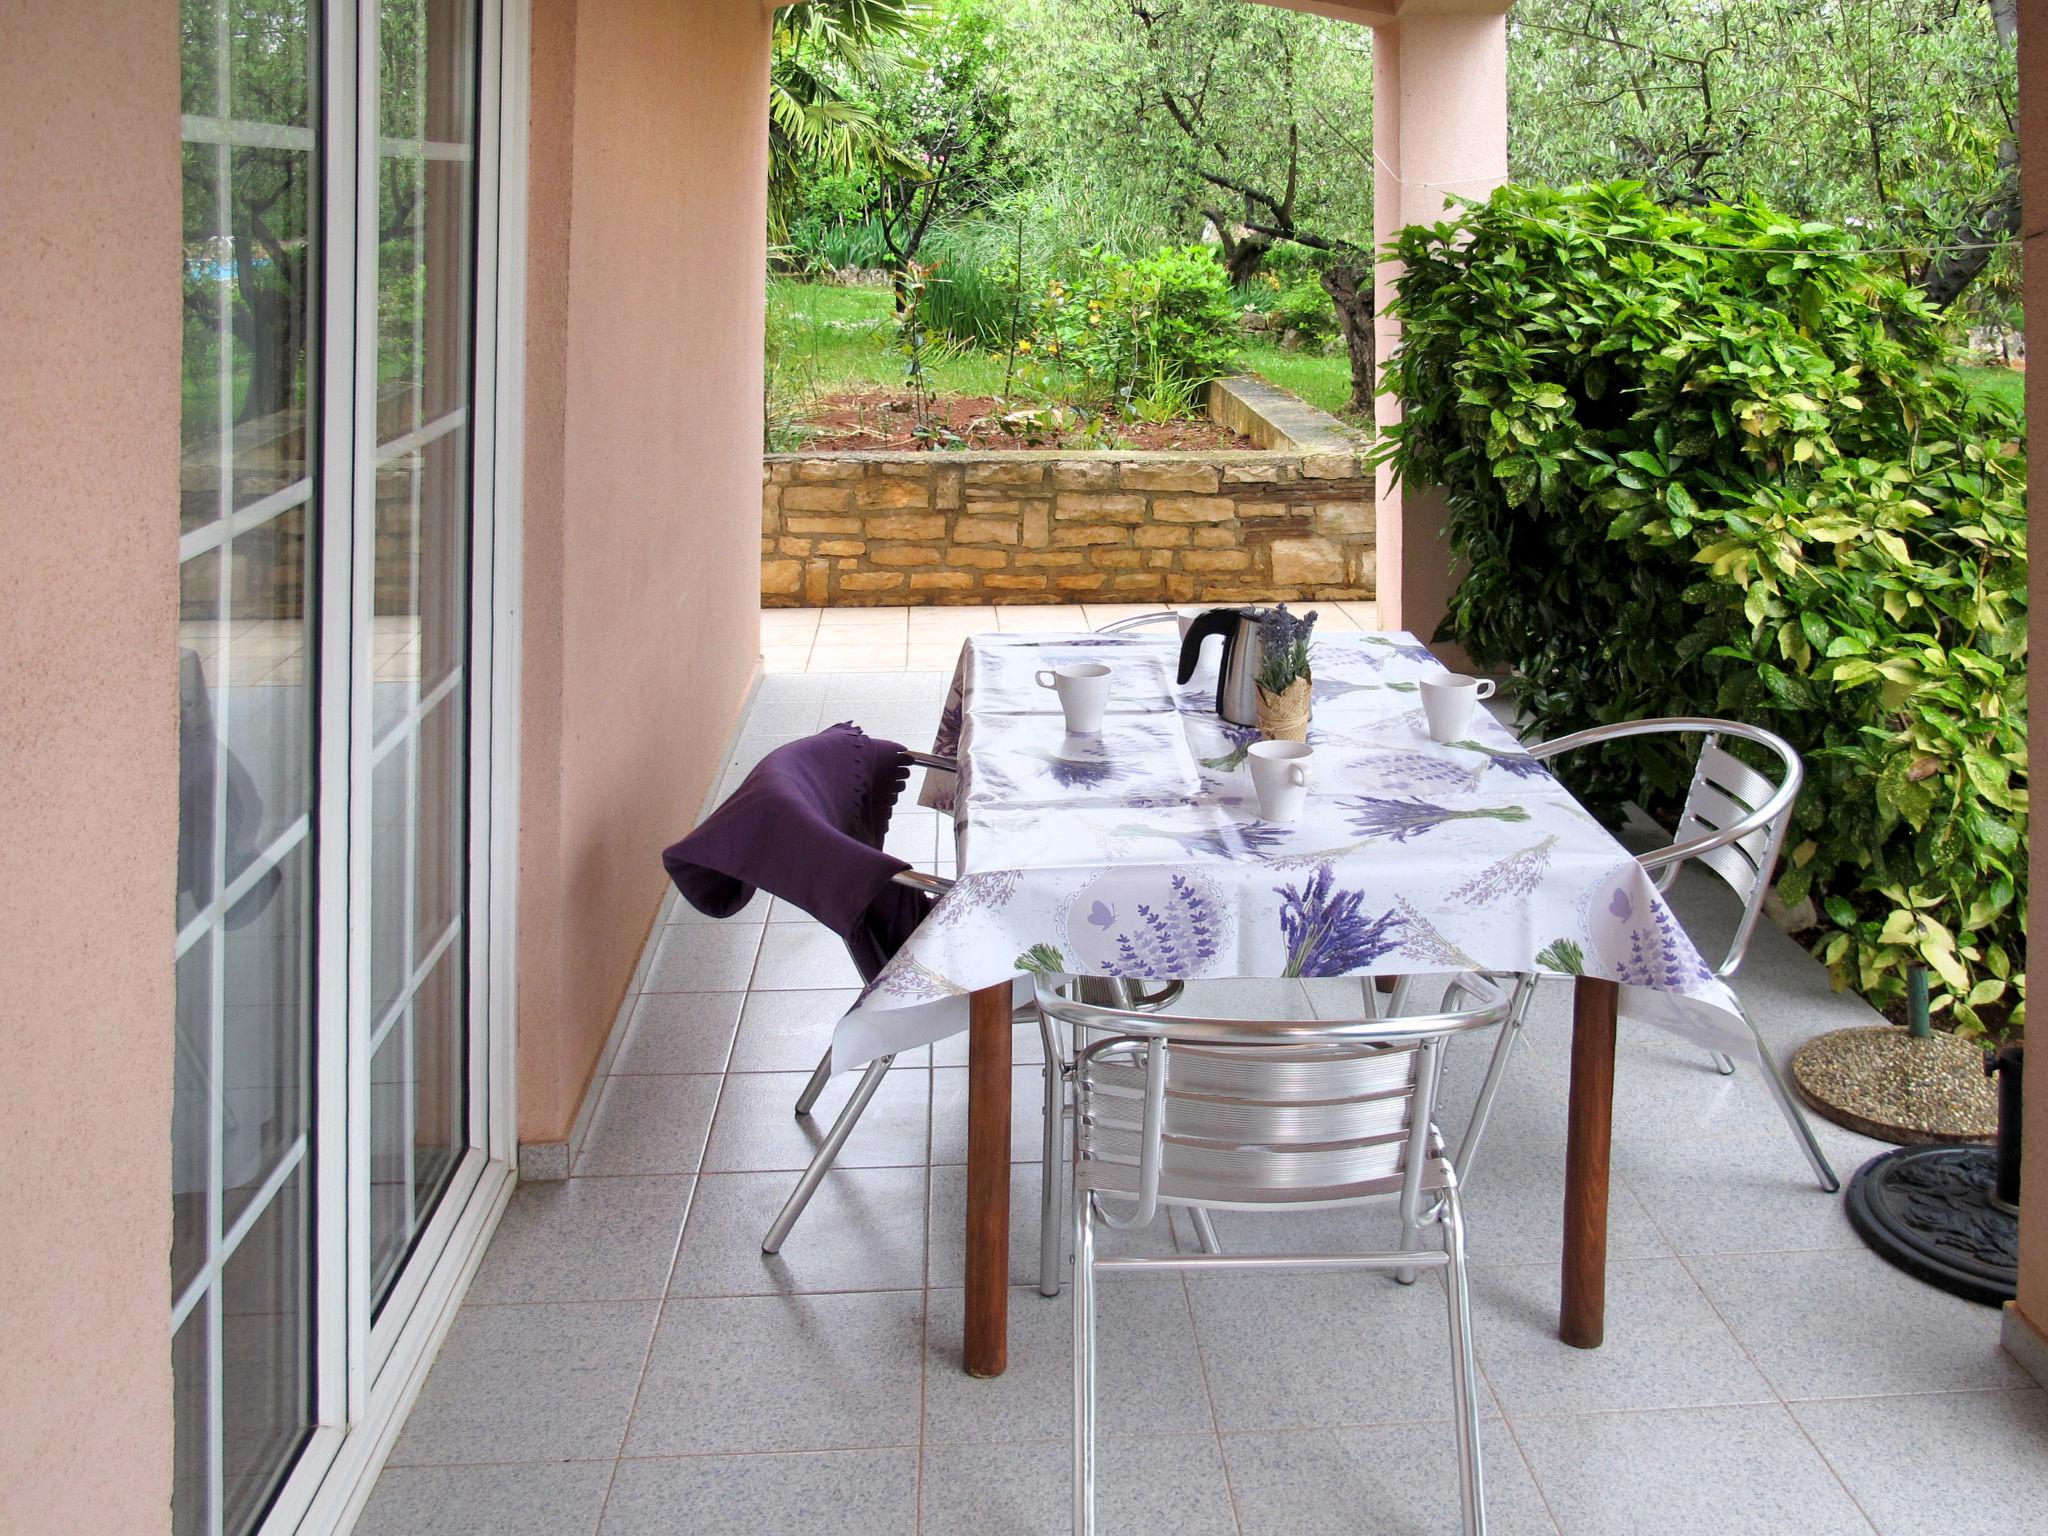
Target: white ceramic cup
(1281,774)
(1083,688)
(1448,702)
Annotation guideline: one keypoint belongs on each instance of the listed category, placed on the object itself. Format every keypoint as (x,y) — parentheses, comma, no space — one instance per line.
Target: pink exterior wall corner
(1440,129)
(90,228)
(647,255)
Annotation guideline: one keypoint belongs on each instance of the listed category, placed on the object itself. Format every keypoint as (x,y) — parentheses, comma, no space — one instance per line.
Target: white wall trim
(2024,1342)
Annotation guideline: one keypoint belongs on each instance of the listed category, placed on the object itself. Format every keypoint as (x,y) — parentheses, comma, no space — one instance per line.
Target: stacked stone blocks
(851,529)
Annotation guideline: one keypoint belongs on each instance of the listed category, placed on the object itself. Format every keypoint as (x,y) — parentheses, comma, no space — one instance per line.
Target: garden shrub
(1304,305)
(1706,461)
(973,295)
(1148,328)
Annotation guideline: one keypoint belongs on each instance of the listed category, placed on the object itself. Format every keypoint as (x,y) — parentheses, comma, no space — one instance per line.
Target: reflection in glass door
(333,1109)
(422,288)
(251,519)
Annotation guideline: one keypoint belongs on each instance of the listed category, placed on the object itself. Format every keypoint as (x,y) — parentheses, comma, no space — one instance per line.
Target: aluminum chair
(870,1079)
(1227,1114)
(1734,823)
(1165,616)
(1108,990)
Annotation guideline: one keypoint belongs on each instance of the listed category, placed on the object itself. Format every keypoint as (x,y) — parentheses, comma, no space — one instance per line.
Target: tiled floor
(628,1362)
(928,639)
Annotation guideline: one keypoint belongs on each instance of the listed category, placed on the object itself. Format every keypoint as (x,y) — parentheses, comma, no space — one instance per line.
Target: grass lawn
(837,339)
(1324,381)
(1998,384)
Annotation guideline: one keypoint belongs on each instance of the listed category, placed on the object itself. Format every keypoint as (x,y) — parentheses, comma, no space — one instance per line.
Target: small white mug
(1448,702)
(1083,687)
(1281,774)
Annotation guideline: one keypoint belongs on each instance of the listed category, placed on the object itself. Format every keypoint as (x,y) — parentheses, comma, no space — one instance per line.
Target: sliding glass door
(334,1094)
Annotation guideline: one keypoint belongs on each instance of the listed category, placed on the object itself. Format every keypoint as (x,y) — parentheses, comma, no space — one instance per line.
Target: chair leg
(827,1153)
(1789,1106)
(1084,1365)
(1464,1372)
(820,1076)
(1725,1065)
(1496,1071)
(1205,1229)
(1049,1172)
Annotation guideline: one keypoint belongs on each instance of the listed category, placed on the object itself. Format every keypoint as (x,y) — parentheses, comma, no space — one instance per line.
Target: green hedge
(1709,461)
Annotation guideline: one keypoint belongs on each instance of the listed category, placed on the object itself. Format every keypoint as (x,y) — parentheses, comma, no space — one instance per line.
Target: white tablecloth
(1140,852)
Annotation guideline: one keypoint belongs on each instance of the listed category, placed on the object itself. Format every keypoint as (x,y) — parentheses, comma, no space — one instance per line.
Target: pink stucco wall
(89,225)
(1440,129)
(643,467)
(2033,119)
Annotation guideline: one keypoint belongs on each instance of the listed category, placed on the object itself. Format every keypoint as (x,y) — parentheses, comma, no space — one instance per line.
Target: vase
(1283,716)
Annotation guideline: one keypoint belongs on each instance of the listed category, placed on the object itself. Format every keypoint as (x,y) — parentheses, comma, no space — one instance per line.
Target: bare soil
(887,421)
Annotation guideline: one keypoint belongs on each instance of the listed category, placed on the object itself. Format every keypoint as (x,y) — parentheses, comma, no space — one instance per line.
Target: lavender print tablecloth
(1140,852)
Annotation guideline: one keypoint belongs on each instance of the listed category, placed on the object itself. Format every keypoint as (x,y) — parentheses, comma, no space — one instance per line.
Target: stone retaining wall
(854,529)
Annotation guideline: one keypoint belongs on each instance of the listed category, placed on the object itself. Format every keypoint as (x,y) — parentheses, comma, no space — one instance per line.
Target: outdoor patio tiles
(627,1361)
(843,1493)
(865,1229)
(1733,1471)
(1962,1464)
(562,1498)
(928,639)
(1394,1478)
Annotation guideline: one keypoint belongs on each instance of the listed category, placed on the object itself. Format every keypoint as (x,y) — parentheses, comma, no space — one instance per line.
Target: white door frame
(361,1408)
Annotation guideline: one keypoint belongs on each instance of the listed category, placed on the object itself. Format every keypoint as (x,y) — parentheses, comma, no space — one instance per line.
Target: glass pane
(271,195)
(273,51)
(202,658)
(191,1115)
(199,54)
(205,379)
(425,287)
(191,1436)
(266,1360)
(440,840)
(440,1055)
(268,721)
(265,1033)
(419,1100)
(441,563)
(427,198)
(242,1114)
(391,1186)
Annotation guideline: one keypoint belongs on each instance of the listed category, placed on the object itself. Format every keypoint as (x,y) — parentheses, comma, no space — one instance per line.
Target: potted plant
(1284,683)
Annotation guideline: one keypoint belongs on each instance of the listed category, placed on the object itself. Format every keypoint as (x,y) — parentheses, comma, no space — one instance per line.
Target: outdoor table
(1139,852)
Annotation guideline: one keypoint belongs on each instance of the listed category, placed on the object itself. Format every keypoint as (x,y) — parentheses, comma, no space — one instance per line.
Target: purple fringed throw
(807,827)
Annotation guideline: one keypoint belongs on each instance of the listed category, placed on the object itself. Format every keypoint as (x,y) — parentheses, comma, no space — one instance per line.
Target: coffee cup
(1448,702)
(1281,774)
(1083,689)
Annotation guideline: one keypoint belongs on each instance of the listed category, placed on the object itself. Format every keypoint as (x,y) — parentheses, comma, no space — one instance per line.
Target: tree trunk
(1350,289)
(1243,255)
(266,323)
(1946,274)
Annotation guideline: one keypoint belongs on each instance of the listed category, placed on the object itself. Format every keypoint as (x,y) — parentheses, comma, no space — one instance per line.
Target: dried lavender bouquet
(1284,682)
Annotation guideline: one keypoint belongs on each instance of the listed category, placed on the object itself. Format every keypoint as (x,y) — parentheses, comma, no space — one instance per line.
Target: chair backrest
(1166,616)
(1249,1114)
(1735,818)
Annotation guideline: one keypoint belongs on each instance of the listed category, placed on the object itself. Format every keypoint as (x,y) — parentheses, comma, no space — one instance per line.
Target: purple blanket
(807,827)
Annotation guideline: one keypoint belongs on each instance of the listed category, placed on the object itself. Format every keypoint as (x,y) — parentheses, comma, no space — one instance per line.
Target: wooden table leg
(986,1347)
(1582,1317)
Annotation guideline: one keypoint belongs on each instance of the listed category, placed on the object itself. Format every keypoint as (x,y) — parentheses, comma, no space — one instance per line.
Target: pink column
(1440,129)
